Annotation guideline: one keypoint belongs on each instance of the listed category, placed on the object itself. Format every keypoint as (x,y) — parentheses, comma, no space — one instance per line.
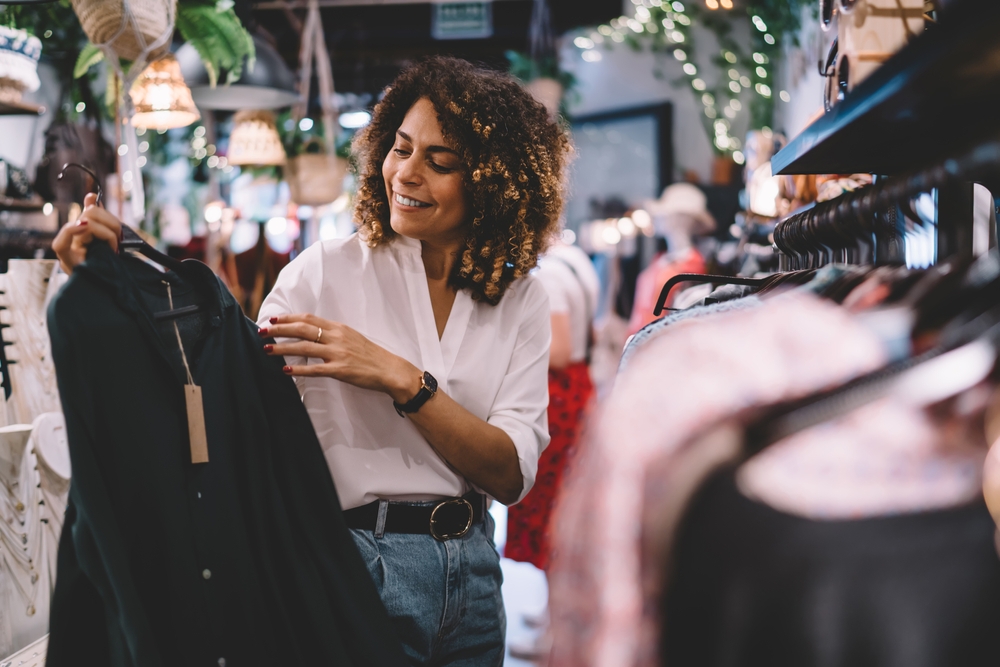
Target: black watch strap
(428,387)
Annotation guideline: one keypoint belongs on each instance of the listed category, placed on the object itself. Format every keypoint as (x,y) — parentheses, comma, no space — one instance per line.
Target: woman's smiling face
(424,180)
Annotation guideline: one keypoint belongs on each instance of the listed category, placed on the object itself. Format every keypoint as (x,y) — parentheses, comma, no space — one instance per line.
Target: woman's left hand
(346,354)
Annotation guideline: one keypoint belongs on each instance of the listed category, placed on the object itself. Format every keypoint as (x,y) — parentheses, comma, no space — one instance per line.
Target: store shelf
(20,108)
(938,96)
(9,204)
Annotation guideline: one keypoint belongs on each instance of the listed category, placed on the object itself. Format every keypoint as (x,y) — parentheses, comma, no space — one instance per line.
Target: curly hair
(513,158)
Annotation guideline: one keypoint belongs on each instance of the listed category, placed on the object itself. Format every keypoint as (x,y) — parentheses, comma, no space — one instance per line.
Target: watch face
(430,382)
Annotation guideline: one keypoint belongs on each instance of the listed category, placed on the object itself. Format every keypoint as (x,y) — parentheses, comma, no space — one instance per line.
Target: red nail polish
(263,332)
(81,223)
(274,320)
(287,369)
(268,348)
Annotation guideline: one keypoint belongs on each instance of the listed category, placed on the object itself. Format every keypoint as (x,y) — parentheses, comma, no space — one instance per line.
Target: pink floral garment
(695,374)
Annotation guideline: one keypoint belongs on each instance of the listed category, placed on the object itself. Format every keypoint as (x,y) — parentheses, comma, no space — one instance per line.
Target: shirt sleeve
(521,405)
(295,292)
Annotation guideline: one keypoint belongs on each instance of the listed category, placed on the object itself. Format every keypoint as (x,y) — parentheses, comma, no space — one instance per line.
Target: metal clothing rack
(864,226)
(928,103)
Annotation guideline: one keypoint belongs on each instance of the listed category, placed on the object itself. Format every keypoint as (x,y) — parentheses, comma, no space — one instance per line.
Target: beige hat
(681,205)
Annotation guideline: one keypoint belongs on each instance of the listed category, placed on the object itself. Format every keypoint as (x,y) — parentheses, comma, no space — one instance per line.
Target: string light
(745,72)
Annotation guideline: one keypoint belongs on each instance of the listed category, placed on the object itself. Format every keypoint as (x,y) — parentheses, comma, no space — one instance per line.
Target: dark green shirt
(244,560)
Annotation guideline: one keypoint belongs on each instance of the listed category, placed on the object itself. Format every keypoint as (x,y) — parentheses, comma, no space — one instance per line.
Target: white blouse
(493,360)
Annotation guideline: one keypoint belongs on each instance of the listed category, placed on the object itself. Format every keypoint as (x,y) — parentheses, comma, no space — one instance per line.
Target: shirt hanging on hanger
(245,559)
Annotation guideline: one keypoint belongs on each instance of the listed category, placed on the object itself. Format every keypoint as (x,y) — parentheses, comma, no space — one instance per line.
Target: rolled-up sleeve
(295,292)
(521,405)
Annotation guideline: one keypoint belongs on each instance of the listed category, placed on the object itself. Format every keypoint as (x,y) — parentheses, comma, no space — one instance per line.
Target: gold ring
(319,335)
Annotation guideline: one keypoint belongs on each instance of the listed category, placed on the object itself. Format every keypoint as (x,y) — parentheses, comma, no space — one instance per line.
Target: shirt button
(207,574)
(222,662)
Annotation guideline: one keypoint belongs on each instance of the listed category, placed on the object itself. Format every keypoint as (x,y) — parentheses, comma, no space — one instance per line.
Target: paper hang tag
(196,423)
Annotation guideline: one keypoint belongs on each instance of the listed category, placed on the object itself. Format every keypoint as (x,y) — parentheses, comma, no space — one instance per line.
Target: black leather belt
(446,520)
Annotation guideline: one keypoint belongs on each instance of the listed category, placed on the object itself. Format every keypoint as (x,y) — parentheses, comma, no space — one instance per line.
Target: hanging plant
(212,28)
(664,26)
(216,33)
(533,70)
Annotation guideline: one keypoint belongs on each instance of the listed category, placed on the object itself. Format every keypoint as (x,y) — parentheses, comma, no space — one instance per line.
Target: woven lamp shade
(128,26)
(162,100)
(255,140)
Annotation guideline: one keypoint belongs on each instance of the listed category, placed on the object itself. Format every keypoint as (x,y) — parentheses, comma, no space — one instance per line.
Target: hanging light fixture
(255,140)
(162,100)
(269,84)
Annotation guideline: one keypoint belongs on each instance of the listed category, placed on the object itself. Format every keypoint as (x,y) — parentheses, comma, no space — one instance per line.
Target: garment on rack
(245,559)
(24,588)
(691,376)
(751,586)
(656,327)
(25,291)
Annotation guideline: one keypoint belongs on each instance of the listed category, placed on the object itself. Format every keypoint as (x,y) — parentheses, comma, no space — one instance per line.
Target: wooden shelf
(24,205)
(939,96)
(22,108)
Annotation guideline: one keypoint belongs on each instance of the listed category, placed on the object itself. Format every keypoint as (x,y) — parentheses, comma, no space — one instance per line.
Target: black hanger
(129,240)
(703,278)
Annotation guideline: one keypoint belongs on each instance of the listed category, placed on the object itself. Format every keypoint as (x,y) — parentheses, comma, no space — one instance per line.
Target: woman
(420,345)
(573,286)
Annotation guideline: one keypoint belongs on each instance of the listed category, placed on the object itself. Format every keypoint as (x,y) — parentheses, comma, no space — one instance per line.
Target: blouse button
(222,662)
(207,574)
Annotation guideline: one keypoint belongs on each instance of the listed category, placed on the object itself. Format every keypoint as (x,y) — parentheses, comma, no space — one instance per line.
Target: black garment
(244,560)
(753,586)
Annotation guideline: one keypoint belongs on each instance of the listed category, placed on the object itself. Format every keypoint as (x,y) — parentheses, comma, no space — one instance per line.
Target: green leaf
(89,56)
(219,38)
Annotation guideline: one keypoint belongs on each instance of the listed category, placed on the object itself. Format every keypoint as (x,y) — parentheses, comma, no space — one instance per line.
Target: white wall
(624,78)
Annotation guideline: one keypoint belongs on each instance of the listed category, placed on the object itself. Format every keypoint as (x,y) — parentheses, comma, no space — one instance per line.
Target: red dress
(528,521)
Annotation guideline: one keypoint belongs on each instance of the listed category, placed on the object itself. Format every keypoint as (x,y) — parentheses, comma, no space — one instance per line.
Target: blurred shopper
(568,276)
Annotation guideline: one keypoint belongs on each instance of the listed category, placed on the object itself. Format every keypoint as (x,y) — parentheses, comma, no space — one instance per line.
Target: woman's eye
(441,169)
(400,152)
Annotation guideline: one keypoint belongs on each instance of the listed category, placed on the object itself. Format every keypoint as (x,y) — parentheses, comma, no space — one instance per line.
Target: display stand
(933,100)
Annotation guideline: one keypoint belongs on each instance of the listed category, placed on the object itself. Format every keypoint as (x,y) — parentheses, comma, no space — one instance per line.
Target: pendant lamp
(162,100)
(268,85)
(255,140)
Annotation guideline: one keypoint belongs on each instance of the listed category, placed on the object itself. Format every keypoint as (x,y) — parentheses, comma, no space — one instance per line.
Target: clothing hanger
(702,278)
(130,242)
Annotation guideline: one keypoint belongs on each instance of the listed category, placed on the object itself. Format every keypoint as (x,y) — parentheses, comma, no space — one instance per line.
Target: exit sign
(462,20)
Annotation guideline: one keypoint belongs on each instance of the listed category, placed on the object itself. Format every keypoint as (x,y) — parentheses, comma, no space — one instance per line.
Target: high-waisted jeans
(443,597)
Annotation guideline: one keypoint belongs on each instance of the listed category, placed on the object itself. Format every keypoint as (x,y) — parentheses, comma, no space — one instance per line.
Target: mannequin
(679,215)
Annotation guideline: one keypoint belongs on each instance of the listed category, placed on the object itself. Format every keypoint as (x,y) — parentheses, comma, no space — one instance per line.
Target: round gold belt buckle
(444,537)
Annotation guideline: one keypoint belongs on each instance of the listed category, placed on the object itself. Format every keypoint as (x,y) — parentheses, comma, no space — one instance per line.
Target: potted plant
(314,172)
(542,78)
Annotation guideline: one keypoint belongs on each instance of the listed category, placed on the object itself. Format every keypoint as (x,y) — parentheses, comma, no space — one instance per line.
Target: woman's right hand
(70,244)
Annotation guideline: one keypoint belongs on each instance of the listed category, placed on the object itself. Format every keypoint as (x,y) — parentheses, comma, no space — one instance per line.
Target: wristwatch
(428,387)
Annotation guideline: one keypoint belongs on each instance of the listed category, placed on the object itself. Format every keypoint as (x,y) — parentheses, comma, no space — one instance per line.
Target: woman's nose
(409,171)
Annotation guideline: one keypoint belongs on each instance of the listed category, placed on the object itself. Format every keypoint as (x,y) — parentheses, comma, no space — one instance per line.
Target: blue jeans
(443,597)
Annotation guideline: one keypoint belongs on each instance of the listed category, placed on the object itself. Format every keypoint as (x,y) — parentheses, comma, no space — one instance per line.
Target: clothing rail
(853,227)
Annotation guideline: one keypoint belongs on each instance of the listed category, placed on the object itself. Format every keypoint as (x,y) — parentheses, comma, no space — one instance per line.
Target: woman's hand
(346,354)
(481,452)
(70,244)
